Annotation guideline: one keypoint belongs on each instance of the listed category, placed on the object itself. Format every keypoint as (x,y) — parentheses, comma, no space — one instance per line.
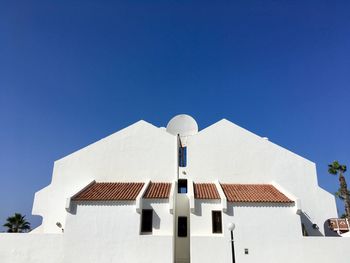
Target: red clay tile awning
(338,224)
(158,191)
(261,193)
(205,191)
(109,192)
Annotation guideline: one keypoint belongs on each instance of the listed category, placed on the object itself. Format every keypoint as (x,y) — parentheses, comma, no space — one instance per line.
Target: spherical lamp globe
(231,226)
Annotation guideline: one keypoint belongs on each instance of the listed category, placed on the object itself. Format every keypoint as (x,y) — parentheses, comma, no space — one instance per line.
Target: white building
(149,194)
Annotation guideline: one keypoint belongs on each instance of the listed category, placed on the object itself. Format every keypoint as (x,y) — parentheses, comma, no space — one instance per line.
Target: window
(182,226)
(182,186)
(146,220)
(182,156)
(217,222)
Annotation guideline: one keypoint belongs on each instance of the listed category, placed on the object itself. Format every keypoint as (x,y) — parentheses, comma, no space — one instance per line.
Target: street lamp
(231,227)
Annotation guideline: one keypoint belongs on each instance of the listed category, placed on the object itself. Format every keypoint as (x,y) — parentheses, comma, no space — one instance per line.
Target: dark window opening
(182,226)
(182,156)
(217,222)
(146,220)
(182,186)
(304,231)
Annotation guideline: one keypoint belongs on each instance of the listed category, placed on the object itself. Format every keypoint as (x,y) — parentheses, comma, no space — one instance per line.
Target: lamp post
(231,227)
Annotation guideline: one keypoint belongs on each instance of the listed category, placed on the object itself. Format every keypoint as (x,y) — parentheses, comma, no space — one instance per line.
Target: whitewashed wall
(31,248)
(231,154)
(201,218)
(163,224)
(110,232)
(222,151)
(137,153)
(43,248)
(270,233)
(141,152)
(105,232)
(182,244)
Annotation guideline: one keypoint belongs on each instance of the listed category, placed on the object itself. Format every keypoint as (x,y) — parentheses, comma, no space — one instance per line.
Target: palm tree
(339,195)
(339,169)
(17,224)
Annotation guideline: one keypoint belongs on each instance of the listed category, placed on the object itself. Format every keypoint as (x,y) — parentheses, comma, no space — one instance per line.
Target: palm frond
(17,223)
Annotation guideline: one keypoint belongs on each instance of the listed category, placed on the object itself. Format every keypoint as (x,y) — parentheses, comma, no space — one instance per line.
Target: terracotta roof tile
(109,192)
(265,193)
(338,224)
(158,191)
(205,191)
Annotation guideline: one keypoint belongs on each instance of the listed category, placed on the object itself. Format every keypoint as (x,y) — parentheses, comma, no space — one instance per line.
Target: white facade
(109,231)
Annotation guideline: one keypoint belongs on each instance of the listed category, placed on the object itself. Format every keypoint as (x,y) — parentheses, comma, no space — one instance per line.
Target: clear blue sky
(73,72)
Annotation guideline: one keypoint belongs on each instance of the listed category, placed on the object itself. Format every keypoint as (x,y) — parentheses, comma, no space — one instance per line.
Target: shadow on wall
(328,232)
(229,210)
(156,220)
(311,228)
(73,208)
(148,204)
(200,202)
(198,208)
(230,206)
(74,204)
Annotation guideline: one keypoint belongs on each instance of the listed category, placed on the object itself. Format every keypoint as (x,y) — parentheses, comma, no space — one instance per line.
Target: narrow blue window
(182,156)
(182,186)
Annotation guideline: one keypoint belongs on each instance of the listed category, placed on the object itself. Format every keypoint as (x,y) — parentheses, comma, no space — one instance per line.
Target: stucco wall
(201,218)
(231,154)
(223,151)
(137,153)
(271,233)
(110,232)
(307,249)
(37,248)
(163,224)
(257,226)
(182,244)
(31,248)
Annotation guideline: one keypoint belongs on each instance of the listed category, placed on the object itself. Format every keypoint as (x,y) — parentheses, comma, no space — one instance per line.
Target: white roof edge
(68,199)
(140,195)
(138,123)
(171,197)
(222,195)
(190,193)
(255,135)
(297,201)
